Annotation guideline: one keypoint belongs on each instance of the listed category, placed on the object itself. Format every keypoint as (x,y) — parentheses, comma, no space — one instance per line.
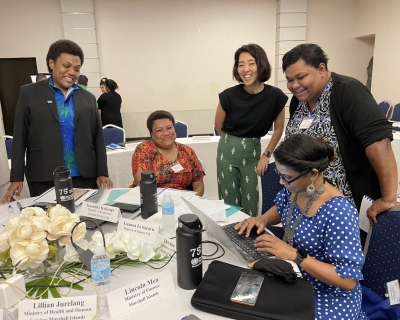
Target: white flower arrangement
(119,244)
(34,236)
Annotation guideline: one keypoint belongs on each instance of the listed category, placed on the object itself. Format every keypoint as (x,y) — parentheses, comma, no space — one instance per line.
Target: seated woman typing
(175,165)
(321,228)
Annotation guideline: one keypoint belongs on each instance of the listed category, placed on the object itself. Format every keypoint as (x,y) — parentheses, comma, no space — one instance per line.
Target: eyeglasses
(291,180)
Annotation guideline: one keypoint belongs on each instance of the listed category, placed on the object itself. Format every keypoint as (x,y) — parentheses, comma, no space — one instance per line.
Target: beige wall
(382,19)
(178,54)
(332,25)
(28,28)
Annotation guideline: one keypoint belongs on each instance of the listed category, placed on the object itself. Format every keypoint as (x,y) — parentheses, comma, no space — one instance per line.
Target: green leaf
(68,283)
(54,292)
(32,292)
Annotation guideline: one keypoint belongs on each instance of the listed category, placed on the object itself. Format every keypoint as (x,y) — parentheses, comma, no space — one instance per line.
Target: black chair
(396,113)
(181,129)
(382,262)
(382,265)
(8,141)
(215,131)
(270,186)
(384,106)
(113,134)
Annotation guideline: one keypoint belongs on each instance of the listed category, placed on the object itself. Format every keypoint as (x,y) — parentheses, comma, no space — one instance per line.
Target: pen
(19,206)
(10,209)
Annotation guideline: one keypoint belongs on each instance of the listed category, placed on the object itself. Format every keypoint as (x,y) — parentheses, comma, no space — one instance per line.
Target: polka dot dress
(331,236)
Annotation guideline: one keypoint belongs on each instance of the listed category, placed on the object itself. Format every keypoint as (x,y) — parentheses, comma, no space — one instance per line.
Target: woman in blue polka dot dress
(321,228)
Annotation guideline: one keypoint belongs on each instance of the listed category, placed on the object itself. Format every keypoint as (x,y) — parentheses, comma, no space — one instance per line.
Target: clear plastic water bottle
(168,215)
(101,274)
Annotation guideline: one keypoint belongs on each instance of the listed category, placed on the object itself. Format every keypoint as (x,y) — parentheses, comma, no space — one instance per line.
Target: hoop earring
(310,189)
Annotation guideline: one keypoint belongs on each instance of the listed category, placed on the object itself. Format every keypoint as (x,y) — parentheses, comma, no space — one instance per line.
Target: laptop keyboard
(243,243)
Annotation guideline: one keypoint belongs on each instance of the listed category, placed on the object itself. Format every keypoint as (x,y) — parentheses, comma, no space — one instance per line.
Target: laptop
(240,246)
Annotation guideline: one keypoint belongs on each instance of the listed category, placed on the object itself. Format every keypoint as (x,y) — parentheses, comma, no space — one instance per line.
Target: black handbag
(277,300)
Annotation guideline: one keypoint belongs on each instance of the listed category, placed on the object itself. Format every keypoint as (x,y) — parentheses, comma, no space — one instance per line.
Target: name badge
(306,123)
(177,168)
(393,292)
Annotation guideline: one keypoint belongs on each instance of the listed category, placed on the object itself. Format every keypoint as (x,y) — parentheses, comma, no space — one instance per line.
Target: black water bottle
(189,251)
(148,194)
(64,188)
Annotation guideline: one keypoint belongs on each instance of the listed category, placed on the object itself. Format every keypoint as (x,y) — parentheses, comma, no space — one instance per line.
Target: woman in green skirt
(244,114)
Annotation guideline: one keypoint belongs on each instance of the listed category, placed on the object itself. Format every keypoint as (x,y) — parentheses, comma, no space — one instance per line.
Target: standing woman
(244,114)
(343,112)
(103,84)
(110,104)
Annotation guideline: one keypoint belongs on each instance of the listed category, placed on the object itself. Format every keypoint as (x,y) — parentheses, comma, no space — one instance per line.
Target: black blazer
(38,132)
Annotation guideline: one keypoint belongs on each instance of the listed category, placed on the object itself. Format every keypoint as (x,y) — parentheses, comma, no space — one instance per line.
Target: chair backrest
(271,130)
(384,106)
(8,141)
(215,131)
(382,262)
(113,134)
(181,129)
(202,165)
(396,113)
(270,186)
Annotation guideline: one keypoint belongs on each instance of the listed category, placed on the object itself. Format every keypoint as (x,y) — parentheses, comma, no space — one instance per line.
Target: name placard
(73,308)
(4,315)
(201,138)
(136,294)
(99,211)
(168,246)
(144,230)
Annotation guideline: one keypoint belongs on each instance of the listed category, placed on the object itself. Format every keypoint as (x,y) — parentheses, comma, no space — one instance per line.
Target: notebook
(239,245)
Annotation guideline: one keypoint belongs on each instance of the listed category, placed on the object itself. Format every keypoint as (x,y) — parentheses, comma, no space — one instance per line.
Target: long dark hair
(302,152)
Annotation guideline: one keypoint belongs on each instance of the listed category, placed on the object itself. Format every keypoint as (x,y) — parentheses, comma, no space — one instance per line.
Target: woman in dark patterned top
(343,112)
(175,165)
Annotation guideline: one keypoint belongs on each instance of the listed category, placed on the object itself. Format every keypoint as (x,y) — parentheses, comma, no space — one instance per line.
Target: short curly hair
(311,53)
(63,46)
(263,65)
(157,115)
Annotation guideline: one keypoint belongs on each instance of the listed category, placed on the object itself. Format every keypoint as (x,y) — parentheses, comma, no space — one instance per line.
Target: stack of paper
(215,209)
(176,195)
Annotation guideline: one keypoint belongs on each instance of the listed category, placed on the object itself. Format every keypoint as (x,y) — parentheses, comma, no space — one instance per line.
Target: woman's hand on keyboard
(250,223)
(275,246)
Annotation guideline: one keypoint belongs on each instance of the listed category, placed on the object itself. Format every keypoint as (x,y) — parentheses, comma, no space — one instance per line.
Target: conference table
(120,161)
(174,305)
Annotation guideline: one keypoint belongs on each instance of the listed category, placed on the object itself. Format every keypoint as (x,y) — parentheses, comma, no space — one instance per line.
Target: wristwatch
(267,153)
(301,255)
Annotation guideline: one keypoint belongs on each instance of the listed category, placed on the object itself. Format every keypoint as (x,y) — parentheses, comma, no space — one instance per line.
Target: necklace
(289,231)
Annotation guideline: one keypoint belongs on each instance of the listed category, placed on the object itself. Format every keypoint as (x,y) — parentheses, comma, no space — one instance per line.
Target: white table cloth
(120,161)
